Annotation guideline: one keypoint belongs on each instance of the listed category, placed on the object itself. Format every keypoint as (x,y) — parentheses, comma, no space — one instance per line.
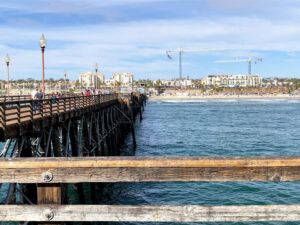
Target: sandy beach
(217,97)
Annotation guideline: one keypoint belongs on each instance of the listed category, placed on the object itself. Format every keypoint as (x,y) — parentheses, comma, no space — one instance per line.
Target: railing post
(31,112)
(19,116)
(69,99)
(64,101)
(51,111)
(49,194)
(3,116)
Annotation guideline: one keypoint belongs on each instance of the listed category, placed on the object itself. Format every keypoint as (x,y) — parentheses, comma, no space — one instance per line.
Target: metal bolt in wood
(48,214)
(47,176)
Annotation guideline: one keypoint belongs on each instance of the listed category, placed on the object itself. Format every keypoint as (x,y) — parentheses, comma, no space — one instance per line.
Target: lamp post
(43,43)
(65,80)
(96,69)
(7,61)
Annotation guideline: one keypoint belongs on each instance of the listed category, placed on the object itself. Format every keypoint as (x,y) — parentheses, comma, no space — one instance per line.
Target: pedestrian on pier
(34,97)
(87,93)
(58,95)
(39,100)
(34,92)
(53,98)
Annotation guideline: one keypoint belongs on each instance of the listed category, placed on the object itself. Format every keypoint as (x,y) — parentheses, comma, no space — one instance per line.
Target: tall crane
(249,60)
(180,52)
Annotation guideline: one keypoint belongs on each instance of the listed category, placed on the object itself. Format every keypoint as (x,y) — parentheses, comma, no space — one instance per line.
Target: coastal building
(275,82)
(174,83)
(91,79)
(183,83)
(238,80)
(123,79)
(109,82)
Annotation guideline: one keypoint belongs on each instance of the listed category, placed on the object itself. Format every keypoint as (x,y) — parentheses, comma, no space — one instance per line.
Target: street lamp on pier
(43,43)
(65,74)
(96,69)
(7,61)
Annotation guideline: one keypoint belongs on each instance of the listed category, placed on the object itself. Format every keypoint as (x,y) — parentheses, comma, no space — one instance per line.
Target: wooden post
(132,124)
(133,136)
(49,194)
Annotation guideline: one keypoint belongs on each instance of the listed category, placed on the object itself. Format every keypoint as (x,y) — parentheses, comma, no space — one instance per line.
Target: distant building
(123,78)
(109,82)
(174,83)
(238,80)
(91,79)
(183,83)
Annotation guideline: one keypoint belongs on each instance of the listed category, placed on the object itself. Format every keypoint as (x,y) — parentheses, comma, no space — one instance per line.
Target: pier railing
(19,111)
(52,171)
(12,98)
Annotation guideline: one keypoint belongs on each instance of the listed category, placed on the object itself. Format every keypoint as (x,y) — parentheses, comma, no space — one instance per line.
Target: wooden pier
(76,140)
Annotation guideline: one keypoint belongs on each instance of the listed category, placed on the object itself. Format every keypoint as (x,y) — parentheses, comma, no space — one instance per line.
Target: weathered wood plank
(189,213)
(134,169)
(49,194)
(149,162)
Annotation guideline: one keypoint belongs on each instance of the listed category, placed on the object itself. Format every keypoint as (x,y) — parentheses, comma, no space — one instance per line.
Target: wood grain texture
(49,193)
(145,169)
(189,213)
(149,162)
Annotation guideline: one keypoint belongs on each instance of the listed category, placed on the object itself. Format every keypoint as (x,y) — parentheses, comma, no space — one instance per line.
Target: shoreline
(222,97)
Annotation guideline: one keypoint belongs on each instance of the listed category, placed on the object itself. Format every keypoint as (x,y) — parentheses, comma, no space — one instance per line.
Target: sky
(133,36)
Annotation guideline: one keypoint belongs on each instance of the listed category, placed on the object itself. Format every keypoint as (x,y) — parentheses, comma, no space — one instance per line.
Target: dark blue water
(216,128)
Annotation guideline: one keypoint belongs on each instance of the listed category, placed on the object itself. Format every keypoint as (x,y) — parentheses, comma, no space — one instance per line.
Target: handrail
(140,169)
(13,98)
(16,112)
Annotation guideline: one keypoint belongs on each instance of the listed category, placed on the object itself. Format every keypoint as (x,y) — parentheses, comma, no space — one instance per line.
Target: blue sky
(133,35)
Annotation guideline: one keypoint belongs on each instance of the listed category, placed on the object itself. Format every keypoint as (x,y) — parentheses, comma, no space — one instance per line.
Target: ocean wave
(294,101)
(184,101)
(272,100)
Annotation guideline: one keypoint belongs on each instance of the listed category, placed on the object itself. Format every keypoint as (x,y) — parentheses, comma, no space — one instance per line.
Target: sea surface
(215,128)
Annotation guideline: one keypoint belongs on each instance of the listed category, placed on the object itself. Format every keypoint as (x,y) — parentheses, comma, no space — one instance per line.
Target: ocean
(214,128)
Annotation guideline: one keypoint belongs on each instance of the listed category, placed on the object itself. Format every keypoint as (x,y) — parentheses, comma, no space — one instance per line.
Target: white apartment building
(238,80)
(91,79)
(175,83)
(183,83)
(123,78)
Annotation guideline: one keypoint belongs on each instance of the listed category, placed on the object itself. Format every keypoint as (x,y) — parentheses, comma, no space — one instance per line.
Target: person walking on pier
(87,93)
(37,97)
(34,92)
(34,97)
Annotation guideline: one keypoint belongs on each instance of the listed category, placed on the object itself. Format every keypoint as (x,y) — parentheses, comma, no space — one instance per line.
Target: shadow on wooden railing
(148,169)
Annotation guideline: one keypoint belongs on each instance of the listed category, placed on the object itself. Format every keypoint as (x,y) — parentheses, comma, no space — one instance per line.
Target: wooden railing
(16,112)
(12,98)
(145,169)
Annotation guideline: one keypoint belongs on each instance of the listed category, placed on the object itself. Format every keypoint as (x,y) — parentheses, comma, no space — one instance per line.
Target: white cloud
(139,46)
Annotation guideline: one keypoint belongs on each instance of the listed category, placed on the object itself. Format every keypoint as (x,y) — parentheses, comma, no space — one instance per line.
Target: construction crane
(249,60)
(180,52)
